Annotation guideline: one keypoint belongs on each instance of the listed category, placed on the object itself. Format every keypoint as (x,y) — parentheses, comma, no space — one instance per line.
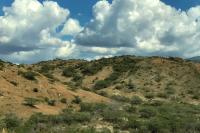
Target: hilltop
(125,93)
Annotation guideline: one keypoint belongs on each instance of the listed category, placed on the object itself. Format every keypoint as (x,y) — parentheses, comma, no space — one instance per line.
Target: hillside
(126,93)
(194,59)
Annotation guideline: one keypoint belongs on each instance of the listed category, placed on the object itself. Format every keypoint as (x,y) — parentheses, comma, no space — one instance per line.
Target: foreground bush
(10,121)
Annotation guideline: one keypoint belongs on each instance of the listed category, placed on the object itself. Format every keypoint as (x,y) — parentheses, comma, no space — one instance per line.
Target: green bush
(10,121)
(196,96)
(150,95)
(114,76)
(133,123)
(69,72)
(1,65)
(131,86)
(113,116)
(120,98)
(77,78)
(101,84)
(163,95)
(130,109)
(31,102)
(147,112)
(77,100)
(136,100)
(52,102)
(119,87)
(91,69)
(158,126)
(28,75)
(70,117)
(170,90)
(63,100)
(91,107)
(125,65)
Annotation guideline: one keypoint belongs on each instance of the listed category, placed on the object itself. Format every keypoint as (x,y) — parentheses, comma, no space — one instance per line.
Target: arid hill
(49,87)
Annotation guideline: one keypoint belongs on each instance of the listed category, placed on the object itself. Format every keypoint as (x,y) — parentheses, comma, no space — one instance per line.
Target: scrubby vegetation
(30,75)
(1,65)
(69,72)
(30,102)
(127,93)
(166,117)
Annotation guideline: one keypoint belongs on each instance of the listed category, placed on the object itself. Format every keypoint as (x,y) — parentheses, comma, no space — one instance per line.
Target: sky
(37,30)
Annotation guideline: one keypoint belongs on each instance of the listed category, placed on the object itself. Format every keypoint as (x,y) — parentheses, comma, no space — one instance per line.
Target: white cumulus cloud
(144,27)
(28,28)
(71,27)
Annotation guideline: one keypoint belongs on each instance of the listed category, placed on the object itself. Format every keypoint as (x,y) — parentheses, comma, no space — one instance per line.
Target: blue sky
(33,31)
(83,10)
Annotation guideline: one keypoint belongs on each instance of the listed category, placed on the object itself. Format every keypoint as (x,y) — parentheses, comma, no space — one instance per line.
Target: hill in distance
(119,94)
(195,59)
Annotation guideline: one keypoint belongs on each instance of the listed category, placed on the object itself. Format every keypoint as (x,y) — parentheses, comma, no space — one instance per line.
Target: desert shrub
(120,98)
(132,123)
(63,100)
(77,100)
(136,100)
(10,121)
(130,85)
(150,95)
(49,76)
(114,76)
(158,126)
(31,102)
(156,103)
(196,96)
(113,116)
(127,64)
(103,93)
(51,102)
(91,107)
(101,84)
(147,112)
(130,109)
(46,68)
(163,95)
(107,82)
(1,65)
(91,69)
(69,72)
(119,87)
(170,90)
(29,75)
(77,78)
(70,117)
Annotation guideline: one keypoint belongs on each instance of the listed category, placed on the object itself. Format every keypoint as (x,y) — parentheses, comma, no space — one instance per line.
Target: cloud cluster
(144,27)
(30,29)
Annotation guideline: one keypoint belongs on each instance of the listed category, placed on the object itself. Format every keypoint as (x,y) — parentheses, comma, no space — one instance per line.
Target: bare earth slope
(104,80)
